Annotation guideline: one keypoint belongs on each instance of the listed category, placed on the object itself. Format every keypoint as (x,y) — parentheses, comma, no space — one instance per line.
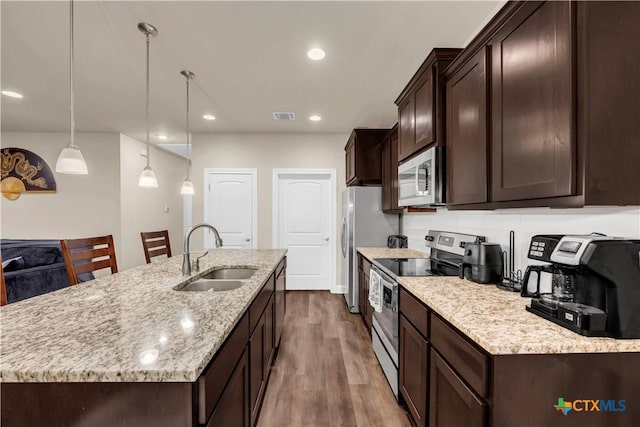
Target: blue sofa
(33,267)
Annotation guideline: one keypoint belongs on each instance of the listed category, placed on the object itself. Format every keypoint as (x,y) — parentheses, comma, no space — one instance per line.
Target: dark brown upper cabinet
(389,152)
(562,101)
(363,157)
(467,137)
(421,105)
(533,147)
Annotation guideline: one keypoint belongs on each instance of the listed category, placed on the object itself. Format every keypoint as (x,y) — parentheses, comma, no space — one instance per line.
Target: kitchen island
(471,355)
(130,349)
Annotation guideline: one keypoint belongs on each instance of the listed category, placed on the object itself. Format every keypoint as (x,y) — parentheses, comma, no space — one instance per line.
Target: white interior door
(304,217)
(231,207)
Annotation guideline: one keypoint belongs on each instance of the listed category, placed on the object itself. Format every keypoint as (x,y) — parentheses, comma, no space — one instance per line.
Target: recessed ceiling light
(162,136)
(316,54)
(209,117)
(315,118)
(12,94)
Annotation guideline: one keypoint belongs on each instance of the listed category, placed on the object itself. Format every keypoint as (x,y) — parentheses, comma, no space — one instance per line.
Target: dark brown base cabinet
(229,391)
(447,380)
(451,402)
(414,371)
(365,309)
(260,352)
(542,108)
(234,408)
(280,301)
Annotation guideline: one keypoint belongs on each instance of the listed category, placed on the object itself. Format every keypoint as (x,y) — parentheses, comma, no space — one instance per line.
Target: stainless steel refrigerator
(363,224)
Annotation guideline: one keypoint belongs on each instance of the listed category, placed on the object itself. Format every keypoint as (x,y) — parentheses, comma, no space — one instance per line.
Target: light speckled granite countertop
(371,253)
(128,327)
(496,320)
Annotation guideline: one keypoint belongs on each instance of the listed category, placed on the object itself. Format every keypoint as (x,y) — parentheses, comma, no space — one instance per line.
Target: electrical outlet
(166,209)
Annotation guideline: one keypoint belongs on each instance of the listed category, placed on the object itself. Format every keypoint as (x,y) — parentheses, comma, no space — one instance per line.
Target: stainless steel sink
(207,285)
(231,273)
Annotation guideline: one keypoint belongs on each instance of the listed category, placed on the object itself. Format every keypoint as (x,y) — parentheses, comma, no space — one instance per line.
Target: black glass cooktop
(416,267)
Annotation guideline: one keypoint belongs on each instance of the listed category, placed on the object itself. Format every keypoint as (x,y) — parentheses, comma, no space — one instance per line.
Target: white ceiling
(249,59)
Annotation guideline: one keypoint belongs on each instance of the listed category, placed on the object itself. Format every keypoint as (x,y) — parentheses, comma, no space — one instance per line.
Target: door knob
(326,239)
(247,240)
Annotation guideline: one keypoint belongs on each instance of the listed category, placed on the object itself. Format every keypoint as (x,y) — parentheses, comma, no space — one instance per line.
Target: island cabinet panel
(211,383)
(260,302)
(533,147)
(467,136)
(270,337)
(451,402)
(96,404)
(233,409)
(414,371)
(280,300)
(260,353)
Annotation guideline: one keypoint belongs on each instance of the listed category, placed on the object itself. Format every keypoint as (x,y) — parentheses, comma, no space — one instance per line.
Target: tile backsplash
(495,225)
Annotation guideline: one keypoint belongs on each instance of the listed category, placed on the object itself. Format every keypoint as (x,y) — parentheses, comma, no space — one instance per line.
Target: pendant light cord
(188,139)
(71,109)
(147,100)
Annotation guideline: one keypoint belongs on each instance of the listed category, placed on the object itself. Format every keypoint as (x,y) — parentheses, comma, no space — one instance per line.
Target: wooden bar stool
(3,287)
(86,255)
(155,243)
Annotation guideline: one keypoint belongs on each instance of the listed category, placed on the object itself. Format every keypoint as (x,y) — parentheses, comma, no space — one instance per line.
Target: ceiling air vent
(284,116)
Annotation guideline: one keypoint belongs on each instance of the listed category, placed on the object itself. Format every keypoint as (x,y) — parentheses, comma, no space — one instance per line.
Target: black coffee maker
(591,286)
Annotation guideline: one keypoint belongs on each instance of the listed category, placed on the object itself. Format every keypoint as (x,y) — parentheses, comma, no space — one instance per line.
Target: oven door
(384,334)
(386,321)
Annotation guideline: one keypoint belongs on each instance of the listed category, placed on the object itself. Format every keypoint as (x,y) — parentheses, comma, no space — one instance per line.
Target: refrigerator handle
(342,237)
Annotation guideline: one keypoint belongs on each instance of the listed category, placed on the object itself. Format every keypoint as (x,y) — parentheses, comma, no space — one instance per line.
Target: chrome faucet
(186,259)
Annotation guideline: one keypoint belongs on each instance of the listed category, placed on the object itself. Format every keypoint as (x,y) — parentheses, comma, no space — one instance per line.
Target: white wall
(495,225)
(266,152)
(143,209)
(84,205)
(106,201)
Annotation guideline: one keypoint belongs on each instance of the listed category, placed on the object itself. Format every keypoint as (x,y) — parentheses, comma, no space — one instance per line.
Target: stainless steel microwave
(421,179)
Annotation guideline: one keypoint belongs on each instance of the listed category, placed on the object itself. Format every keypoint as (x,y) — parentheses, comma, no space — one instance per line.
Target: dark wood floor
(326,373)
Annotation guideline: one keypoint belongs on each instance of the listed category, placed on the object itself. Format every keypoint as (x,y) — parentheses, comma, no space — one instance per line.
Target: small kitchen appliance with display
(591,286)
(447,250)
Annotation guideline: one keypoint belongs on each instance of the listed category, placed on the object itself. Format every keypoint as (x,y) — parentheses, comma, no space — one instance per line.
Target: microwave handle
(417,179)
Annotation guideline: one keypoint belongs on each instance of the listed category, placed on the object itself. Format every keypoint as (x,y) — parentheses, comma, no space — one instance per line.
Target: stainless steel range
(447,250)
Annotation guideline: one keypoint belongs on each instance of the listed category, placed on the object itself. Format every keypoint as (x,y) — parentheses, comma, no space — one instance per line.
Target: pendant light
(147,177)
(70,160)
(187,185)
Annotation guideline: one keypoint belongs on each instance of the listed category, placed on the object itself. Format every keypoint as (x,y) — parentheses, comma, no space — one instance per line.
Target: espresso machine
(591,284)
